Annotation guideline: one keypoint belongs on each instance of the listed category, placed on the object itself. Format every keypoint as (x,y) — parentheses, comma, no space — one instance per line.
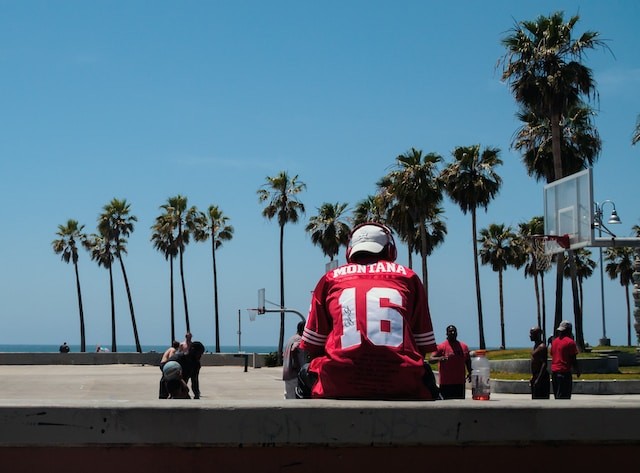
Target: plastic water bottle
(480,372)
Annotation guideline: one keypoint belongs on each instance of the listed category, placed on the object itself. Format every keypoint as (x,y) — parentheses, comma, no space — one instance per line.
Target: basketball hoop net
(543,247)
(252,314)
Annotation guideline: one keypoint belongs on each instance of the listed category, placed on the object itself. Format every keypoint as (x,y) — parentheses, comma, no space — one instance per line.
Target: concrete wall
(254,360)
(602,364)
(319,436)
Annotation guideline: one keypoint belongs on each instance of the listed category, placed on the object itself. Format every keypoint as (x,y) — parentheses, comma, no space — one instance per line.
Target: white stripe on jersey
(426,338)
(314,338)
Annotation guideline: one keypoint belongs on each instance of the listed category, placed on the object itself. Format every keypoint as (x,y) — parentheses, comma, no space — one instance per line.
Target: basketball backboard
(568,208)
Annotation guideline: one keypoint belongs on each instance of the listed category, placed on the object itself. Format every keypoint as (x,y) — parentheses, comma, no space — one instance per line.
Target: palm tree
(534,265)
(328,230)
(621,265)
(499,249)
(213,225)
(414,189)
(370,209)
(584,267)
(182,221)
(103,253)
(636,132)
(472,182)
(118,224)
(67,246)
(280,192)
(164,241)
(543,68)
(580,144)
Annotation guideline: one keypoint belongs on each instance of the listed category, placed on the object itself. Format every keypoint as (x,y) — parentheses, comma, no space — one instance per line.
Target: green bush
(271,359)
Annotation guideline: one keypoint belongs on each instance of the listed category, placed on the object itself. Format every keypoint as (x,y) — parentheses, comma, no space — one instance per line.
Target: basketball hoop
(543,247)
(252,314)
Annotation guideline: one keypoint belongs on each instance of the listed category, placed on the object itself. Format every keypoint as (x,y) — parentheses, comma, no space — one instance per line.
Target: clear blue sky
(144,100)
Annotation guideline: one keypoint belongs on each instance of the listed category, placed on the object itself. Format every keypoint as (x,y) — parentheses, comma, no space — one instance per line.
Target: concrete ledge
(255,360)
(607,387)
(319,423)
(603,364)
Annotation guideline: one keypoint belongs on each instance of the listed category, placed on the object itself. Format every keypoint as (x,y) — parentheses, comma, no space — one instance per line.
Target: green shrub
(271,359)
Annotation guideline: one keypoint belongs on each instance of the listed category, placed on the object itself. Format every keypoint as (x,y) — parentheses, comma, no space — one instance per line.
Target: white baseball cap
(370,238)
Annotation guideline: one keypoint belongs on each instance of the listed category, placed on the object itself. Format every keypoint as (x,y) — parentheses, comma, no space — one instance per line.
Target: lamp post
(597,222)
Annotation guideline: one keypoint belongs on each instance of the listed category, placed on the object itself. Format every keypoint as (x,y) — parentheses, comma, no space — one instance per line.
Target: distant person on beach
(540,384)
(369,326)
(169,352)
(64,348)
(454,365)
(190,364)
(186,343)
(100,349)
(564,353)
(294,358)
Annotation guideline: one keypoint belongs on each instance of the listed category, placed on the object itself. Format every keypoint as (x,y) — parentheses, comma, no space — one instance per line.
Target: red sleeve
(318,325)
(422,327)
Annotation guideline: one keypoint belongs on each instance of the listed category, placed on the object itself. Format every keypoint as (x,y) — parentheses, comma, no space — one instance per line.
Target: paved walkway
(35,384)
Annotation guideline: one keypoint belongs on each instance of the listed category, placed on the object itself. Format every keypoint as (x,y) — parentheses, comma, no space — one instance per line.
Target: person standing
(369,326)
(294,359)
(169,352)
(186,343)
(540,384)
(190,364)
(564,352)
(453,361)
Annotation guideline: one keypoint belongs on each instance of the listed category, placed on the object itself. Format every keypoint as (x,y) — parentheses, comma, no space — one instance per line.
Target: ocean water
(17,348)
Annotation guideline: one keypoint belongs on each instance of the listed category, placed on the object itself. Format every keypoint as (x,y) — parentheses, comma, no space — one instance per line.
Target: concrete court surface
(33,384)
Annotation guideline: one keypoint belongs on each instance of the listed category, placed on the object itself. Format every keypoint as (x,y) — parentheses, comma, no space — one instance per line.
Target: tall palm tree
(543,66)
(70,235)
(164,241)
(213,225)
(328,229)
(498,249)
(621,266)
(280,193)
(413,188)
(103,253)
(584,267)
(117,223)
(471,181)
(182,220)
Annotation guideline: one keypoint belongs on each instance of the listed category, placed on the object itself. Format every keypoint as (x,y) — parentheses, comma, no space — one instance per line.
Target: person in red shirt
(453,360)
(369,326)
(564,352)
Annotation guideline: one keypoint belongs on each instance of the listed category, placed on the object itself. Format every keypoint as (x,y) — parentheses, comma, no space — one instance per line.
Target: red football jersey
(369,328)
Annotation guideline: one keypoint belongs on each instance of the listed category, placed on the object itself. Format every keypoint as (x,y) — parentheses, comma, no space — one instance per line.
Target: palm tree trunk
(626,294)
(501,289)
(536,289)
(114,347)
(544,308)
(559,283)
(577,310)
(83,346)
(184,293)
(133,317)
(215,292)
(481,340)
(282,306)
(173,318)
(423,257)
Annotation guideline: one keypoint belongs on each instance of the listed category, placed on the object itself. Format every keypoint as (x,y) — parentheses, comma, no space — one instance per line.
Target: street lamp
(597,222)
